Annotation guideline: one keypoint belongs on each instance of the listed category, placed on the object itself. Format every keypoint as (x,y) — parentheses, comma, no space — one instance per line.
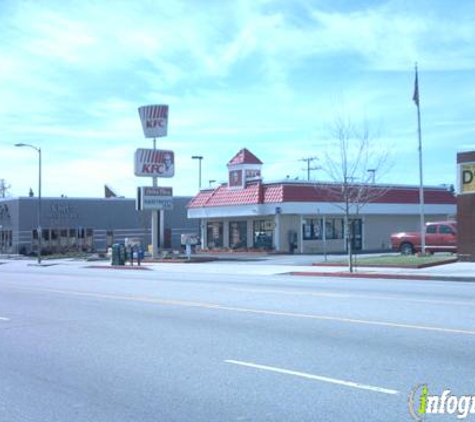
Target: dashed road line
(315,377)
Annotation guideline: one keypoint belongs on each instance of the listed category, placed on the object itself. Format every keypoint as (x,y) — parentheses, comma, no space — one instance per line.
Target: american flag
(415,97)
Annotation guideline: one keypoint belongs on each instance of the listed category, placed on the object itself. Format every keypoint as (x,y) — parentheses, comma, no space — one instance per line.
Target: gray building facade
(85,224)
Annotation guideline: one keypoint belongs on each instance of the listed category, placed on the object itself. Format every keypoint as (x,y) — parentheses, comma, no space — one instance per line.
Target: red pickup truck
(441,236)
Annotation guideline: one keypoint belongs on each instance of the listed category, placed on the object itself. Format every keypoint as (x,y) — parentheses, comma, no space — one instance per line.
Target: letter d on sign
(467,177)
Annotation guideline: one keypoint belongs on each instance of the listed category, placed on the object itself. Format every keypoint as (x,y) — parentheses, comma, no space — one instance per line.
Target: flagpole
(421,182)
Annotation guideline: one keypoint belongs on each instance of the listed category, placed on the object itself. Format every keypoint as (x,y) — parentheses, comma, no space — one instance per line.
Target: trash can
(118,254)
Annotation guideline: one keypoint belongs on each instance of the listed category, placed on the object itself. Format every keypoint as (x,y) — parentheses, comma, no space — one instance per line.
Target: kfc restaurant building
(298,216)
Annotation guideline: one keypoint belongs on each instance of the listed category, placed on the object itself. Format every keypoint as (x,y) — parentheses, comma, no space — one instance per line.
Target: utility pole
(308,160)
(199,158)
(4,188)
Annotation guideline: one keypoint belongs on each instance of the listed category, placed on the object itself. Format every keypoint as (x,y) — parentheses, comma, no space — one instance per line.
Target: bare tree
(4,188)
(352,161)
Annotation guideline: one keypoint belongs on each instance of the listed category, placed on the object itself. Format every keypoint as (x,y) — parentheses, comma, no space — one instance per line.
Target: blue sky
(270,76)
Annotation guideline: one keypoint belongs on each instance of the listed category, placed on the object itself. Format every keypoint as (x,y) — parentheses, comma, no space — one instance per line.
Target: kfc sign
(154,120)
(154,163)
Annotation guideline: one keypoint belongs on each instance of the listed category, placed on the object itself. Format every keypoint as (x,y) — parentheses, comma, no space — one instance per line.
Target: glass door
(356,227)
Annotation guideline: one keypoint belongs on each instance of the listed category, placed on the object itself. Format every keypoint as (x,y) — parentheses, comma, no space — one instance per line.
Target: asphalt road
(82,344)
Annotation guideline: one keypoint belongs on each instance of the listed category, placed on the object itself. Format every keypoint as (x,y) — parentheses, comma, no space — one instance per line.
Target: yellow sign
(467,178)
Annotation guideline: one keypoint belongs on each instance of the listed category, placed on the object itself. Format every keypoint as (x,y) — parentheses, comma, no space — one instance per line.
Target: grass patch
(405,261)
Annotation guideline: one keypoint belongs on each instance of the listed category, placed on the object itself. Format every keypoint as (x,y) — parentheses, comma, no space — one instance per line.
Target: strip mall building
(84,224)
(283,216)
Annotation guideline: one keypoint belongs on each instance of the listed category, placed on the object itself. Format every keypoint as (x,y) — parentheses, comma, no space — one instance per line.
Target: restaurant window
(109,238)
(214,234)
(263,234)
(54,234)
(89,241)
(72,238)
(237,234)
(334,228)
(45,234)
(312,228)
(63,238)
(5,239)
(54,239)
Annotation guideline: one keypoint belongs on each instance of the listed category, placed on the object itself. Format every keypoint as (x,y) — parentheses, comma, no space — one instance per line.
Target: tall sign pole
(154,222)
(154,120)
(415,98)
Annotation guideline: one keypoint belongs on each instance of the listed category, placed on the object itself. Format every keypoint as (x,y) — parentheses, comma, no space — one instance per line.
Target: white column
(226,233)
(324,236)
(277,232)
(204,234)
(250,233)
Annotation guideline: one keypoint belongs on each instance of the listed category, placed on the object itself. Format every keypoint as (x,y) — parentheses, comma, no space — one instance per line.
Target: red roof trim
(258,193)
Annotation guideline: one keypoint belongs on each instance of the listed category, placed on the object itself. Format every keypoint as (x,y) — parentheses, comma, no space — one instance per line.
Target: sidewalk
(457,271)
(284,265)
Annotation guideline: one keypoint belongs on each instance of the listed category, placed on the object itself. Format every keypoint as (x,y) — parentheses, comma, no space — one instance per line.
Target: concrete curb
(119,267)
(415,267)
(427,277)
(196,260)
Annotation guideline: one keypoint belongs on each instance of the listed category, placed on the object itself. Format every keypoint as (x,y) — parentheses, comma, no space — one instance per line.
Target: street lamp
(211,181)
(38,229)
(198,157)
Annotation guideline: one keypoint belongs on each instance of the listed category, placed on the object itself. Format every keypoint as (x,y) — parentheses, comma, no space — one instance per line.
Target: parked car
(441,236)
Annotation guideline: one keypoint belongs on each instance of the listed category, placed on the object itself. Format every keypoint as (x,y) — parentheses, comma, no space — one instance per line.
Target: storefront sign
(62,211)
(154,163)
(154,198)
(467,178)
(154,120)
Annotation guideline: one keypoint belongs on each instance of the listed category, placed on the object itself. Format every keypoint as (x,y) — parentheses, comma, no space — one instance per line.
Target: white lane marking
(315,377)
(4,319)
(352,296)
